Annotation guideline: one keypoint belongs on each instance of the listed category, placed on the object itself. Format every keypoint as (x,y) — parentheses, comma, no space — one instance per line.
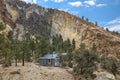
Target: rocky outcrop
(5,15)
(39,21)
(104,76)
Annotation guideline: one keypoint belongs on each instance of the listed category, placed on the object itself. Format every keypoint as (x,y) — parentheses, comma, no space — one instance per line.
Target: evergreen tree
(38,47)
(110,64)
(2,39)
(10,36)
(85,61)
(3,42)
(94,53)
(24,50)
(44,46)
(60,44)
(6,53)
(32,46)
(107,29)
(57,43)
(15,47)
(96,23)
(82,17)
(73,44)
(87,20)
(67,45)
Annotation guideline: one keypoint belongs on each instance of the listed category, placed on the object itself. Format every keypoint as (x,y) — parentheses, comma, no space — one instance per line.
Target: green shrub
(109,64)
(70,65)
(75,69)
(63,64)
(2,26)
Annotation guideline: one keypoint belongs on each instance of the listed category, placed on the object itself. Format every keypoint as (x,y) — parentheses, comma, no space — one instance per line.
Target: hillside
(34,72)
(39,21)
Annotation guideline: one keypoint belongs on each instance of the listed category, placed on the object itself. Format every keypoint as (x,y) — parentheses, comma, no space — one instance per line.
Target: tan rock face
(67,25)
(72,27)
(13,12)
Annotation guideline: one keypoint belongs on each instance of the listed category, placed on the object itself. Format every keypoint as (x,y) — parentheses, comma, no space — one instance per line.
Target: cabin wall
(47,62)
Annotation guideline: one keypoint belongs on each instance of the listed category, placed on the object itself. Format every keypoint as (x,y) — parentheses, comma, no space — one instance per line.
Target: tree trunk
(15,62)
(81,71)
(23,59)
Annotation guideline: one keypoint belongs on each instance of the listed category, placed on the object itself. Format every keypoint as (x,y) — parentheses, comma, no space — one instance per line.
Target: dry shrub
(15,72)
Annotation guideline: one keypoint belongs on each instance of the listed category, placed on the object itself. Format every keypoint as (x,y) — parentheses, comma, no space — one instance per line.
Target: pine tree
(107,29)
(87,20)
(96,23)
(67,45)
(73,44)
(3,42)
(10,36)
(110,64)
(32,46)
(57,43)
(2,37)
(15,47)
(85,61)
(82,17)
(44,46)
(24,50)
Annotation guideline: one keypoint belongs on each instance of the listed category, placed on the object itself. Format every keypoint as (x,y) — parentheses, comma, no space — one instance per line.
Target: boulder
(104,76)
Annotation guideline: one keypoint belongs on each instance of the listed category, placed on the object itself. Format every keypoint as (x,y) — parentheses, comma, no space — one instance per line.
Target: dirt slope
(34,72)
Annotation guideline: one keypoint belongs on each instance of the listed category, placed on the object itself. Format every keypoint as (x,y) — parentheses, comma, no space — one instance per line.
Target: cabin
(52,59)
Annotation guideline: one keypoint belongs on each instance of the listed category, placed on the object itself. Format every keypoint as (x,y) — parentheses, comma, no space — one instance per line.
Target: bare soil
(32,71)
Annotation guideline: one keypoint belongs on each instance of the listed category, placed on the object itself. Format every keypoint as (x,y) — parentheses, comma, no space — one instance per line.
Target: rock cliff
(41,21)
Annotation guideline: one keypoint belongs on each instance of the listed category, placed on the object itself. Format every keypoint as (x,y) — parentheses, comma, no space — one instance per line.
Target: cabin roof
(50,56)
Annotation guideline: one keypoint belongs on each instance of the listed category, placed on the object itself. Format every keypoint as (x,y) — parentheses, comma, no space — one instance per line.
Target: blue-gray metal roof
(50,56)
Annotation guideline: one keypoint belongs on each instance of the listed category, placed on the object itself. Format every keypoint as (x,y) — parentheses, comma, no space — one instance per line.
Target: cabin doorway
(49,61)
